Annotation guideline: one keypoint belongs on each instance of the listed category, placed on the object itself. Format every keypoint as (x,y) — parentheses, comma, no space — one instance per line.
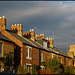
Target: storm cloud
(47,17)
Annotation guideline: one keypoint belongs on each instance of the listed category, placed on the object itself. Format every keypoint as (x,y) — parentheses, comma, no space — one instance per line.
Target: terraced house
(28,48)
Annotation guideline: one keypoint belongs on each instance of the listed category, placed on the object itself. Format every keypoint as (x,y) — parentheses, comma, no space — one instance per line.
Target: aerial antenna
(53,34)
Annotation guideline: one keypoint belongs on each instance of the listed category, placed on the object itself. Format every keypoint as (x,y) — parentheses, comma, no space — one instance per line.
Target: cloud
(47,17)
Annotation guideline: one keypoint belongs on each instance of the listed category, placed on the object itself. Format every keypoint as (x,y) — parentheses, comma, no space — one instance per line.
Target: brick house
(29,49)
(6,47)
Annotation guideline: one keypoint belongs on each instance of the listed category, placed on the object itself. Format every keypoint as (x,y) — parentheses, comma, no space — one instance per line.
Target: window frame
(28,52)
(42,56)
(53,55)
(45,43)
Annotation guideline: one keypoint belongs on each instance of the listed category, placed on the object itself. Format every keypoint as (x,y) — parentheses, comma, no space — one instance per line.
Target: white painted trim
(29,46)
(52,55)
(43,66)
(29,64)
(28,58)
(28,52)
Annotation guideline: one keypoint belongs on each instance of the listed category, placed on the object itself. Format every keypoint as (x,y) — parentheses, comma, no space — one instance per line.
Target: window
(28,52)
(42,56)
(42,67)
(64,60)
(53,55)
(61,60)
(29,67)
(0,48)
(45,43)
(69,62)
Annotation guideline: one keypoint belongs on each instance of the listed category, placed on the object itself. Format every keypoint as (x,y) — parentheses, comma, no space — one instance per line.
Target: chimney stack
(18,28)
(30,34)
(2,23)
(50,42)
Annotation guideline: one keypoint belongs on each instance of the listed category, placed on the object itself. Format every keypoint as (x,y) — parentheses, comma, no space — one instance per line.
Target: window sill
(28,58)
(42,60)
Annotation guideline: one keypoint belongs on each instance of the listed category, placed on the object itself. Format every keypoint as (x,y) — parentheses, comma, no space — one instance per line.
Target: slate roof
(2,37)
(59,52)
(28,41)
(35,44)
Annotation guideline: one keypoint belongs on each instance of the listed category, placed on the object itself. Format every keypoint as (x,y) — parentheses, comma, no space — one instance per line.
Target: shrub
(35,69)
(21,70)
(45,71)
(69,69)
(53,64)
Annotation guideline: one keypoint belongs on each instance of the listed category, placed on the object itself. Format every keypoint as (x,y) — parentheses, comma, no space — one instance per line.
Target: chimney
(30,34)
(71,53)
(50,42)
(40,36)
(18,28)
(2,23)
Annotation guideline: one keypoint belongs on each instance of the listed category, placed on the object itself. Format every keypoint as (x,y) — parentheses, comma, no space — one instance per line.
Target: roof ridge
(26,39)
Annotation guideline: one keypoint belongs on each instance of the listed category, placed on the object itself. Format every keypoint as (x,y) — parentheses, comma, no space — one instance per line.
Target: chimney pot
(47,38)
(30,30)
(12,24)
(20,23)
(15,24)
(3,16)
(0,17)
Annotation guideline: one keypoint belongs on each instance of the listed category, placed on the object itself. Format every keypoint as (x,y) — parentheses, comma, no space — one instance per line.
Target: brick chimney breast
(2,23)
(18,28)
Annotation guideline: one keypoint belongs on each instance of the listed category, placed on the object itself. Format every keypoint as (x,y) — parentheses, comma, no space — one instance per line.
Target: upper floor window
(42,56)
(53,55)
(28,52)
(61,60)
(45,43)
(69,62)
(0,48)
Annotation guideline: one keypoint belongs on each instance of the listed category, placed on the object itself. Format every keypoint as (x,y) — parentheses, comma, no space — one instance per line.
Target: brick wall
(7,47)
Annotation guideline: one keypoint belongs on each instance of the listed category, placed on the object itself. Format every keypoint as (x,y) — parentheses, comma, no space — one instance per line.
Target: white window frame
(42,67)
(29,57)
(28,65)
(42,56)
(45,43)
(61,60)
(53,55)
(69,62)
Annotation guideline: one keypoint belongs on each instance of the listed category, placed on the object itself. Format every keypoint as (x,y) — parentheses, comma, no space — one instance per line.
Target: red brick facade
(21,50)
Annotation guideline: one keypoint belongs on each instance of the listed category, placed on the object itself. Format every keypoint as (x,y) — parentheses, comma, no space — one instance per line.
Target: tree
(8,61)
(53,64)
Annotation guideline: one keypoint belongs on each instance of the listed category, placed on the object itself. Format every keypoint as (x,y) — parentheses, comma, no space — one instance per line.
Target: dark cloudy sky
(47,17)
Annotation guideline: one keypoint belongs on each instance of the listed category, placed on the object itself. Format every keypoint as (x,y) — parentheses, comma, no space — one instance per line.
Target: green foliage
(69,69)
(53,64)
(34,69)
(21,70)
(8,62)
